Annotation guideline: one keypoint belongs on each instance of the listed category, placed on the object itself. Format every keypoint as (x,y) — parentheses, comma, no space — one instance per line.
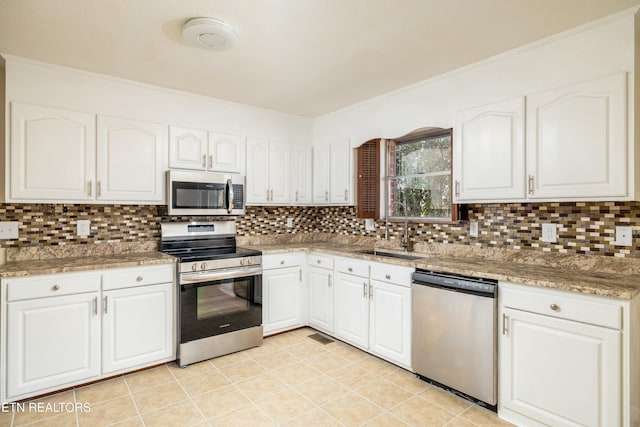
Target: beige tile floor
(291,380)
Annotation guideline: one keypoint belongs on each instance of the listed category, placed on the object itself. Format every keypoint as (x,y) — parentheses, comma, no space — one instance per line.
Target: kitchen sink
(378,252)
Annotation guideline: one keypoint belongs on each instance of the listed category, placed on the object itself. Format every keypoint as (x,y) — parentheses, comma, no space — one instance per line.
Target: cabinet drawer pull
(364,290)
(319,262)
(326,196)
(95,306)
(370,291)
(210,161)
(89,193)
(387,276)
(346,197)
(505,324)
(554,307)
(55,288)
(457,188)
(104,302)
(282,262)
(204,160)
(139,279)
(350,269)
(296,196)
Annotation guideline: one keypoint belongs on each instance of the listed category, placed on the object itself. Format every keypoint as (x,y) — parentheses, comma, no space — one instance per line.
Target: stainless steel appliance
(205,193)
(219,290)
(454,333)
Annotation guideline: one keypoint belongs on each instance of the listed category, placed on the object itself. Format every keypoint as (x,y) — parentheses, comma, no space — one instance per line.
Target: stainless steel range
(220,290)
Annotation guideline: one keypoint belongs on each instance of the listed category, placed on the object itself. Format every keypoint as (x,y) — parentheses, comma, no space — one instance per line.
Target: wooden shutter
(369,179)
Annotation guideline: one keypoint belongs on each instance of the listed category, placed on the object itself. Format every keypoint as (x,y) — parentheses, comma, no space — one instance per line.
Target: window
(419,176)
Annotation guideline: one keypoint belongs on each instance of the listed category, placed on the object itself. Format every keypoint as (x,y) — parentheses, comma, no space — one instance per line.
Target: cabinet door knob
(56,287)
(554,307)
(350,269)
(139,279)
(318,261)
(282,262)
(387,276)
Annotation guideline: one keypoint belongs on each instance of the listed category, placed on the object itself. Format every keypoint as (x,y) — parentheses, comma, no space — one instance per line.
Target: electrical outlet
(289,222)
(549,233)
(624,236)
(369,224)
(84,227)
(473,228)
(9,230)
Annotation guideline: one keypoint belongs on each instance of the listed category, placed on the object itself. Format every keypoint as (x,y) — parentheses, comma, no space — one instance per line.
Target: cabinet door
(226,152)
(137,326)
(52,342)
(52,154)
(279,172)
(301,174)
(340,166)
(321,299)
(131,160)
(559,372)
(187,148)
(257,170)
(576,140)
(351,309)
(282,299)
(321,159)
(489,152)
(390,322)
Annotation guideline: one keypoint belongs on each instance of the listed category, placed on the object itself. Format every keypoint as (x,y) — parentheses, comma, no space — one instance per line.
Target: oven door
(214,303)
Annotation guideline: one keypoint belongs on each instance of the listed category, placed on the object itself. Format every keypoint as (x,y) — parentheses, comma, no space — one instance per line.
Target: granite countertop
(603,277)
(82,263)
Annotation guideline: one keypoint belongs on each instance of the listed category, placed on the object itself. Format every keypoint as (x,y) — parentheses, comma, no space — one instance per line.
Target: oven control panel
(214,264)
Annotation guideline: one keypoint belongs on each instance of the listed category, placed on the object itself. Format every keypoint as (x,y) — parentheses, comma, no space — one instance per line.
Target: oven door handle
(231,273)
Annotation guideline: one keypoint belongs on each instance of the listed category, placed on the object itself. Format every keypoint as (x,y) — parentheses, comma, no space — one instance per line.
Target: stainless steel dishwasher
(454,333)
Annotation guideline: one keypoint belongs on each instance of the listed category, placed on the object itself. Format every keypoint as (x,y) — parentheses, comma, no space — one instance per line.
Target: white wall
(45,84)
(596,49)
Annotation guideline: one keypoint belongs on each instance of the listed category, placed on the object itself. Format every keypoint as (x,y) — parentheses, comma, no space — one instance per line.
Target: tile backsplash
(583,228)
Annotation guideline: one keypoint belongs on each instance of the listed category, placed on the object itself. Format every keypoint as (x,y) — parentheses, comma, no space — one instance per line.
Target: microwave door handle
(229,195)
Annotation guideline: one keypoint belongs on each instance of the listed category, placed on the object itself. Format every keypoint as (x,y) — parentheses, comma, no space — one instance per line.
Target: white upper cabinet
(576,146)
(301,166)
(267,172)
(187,148)
(489,152)
(130,164)
(576,140)
(332,183)
(340,166)
(52,154)
(205,151)
(321,159)
(226,152)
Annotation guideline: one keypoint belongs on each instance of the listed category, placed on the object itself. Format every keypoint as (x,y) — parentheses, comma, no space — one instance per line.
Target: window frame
(415,136)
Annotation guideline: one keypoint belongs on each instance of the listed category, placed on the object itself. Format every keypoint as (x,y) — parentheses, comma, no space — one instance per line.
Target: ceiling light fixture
(209,33)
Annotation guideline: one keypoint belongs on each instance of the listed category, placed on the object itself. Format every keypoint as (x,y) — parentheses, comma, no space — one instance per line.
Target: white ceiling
(305,57)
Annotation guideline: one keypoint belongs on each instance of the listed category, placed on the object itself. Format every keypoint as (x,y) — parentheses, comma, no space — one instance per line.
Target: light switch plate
(624,236)
(473,228)
(549,233)
(369,224)
(84,227)
(9,230)
(289,222)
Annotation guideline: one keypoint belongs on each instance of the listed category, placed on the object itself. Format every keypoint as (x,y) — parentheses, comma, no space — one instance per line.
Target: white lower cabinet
(320,277)
(390,322)
(66,329)
(561,359)
(351,309)
(52,342)
(137,326)
(282,293)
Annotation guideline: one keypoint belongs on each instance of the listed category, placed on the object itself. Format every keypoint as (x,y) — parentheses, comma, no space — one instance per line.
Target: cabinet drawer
(321,261)
(558,304)
(392,274)
(282,260)
(137,276)
(351,266)
(51,285)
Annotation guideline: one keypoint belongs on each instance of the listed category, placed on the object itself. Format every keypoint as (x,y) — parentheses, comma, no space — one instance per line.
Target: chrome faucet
(406,242)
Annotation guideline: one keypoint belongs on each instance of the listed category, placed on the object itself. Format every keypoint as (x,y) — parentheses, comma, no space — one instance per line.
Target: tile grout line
(135,404)
(189,397)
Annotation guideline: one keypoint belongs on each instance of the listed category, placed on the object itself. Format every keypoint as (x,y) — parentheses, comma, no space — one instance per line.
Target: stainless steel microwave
(205,193)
